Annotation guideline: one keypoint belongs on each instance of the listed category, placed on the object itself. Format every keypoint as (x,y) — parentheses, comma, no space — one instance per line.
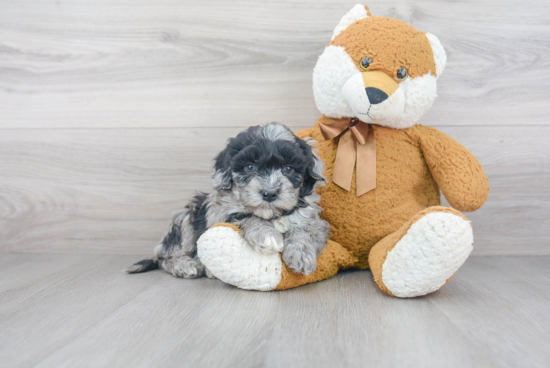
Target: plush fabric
(379,252)
(410,165)
(334,258)
(228,257)
(399,229)
(386,47)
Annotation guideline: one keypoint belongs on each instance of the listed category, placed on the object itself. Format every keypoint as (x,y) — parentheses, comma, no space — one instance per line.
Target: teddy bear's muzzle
(374,97)
(378,84)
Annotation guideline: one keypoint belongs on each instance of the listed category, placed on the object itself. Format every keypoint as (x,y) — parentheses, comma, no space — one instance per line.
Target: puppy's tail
(169,244)
(143,266)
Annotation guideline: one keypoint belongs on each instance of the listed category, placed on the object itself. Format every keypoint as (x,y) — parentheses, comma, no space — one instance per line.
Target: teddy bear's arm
(455,169)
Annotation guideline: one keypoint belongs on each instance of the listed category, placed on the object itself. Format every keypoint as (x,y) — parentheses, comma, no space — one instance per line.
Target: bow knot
(356,145)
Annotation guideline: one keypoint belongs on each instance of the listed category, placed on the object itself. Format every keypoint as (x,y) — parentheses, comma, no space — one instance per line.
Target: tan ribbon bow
(356,145)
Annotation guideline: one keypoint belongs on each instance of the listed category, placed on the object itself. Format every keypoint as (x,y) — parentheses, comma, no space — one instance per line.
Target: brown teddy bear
(373,82)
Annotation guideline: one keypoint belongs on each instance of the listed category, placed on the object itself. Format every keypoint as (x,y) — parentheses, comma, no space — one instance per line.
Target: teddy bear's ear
(439,53)
(356,13)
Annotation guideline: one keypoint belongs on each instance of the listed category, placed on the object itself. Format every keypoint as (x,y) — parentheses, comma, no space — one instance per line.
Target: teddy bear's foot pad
(428,255)
(232,260)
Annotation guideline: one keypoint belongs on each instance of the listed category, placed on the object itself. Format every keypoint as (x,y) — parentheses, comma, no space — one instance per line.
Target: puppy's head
(268,169)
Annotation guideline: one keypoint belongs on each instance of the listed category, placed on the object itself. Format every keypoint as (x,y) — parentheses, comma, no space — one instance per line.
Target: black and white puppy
(265,183)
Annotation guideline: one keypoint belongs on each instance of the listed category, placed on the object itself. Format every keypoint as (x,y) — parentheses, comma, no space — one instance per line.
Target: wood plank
(19,269)
(348,321)
(195,323)
(494,312)
(173,63)
(114,190)
(503,307)
(47,314)
(516,217)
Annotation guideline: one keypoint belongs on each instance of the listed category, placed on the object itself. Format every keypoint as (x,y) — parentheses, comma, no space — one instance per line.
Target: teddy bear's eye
(402,73)
(365,62)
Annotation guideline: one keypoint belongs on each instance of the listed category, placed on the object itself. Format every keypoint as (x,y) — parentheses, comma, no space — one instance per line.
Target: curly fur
(265,183)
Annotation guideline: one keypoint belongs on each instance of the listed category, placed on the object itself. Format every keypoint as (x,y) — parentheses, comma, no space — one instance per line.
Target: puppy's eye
(250,168)
(402,74)
(288,170)
(365,62)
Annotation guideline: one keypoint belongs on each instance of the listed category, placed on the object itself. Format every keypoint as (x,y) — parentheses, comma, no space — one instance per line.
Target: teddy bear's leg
(423,254)
(333,258)
(231,259)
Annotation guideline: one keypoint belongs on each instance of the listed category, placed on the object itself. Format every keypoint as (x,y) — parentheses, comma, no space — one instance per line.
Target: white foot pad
(431,251)
(231,259)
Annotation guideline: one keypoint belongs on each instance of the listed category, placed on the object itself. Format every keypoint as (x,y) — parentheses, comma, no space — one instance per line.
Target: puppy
(265,182)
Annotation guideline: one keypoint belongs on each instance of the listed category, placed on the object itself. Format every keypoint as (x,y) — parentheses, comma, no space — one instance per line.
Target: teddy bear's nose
(375,95)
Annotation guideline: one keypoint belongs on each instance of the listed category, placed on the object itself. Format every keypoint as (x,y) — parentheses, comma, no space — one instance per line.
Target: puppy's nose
(375,95)
(269,196)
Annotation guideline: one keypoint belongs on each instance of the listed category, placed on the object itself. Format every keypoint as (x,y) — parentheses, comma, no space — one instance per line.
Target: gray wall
(111,111)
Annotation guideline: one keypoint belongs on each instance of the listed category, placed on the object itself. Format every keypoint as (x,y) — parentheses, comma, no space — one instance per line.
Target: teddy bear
(374,81)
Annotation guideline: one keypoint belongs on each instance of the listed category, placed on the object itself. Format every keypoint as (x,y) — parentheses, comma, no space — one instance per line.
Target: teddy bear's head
(379,70)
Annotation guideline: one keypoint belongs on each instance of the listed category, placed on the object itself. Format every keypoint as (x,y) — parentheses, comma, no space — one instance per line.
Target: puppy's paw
(299,258)
(273,243)
(185,267)
(264,239)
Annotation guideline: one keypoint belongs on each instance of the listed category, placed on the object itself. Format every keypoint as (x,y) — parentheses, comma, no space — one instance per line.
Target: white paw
(431,251)
(231,259)
(273,244)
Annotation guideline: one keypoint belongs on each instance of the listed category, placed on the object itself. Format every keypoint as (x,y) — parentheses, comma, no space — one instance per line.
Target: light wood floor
(67,310)
(110,114)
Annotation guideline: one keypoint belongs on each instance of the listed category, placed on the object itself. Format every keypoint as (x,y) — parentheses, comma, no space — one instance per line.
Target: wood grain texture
(84,312)
(172,63)
(113,191)
(111,111)
(509,289)
(366,328)
(65,303)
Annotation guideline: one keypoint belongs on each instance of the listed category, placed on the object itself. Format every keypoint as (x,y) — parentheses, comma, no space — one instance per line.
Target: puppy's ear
(315,167)
(222,178)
